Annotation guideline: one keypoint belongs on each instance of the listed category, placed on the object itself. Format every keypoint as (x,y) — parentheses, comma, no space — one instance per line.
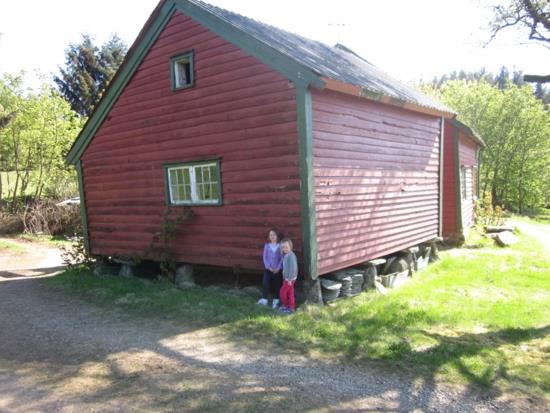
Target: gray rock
(506,238)
(312,291)
(126,270)
(501,228)
(185,277)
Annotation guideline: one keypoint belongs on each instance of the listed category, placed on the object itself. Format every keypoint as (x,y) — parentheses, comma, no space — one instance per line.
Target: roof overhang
(353,90)
(472,134)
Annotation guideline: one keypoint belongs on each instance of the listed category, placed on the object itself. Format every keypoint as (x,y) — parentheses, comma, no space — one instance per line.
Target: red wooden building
(254,127)
(462,149)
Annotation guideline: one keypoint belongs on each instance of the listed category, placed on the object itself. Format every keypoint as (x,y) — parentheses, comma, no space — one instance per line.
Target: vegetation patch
(13,247)
(476,316)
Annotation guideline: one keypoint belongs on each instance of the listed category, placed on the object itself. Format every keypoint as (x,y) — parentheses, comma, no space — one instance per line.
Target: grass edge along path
(479,316)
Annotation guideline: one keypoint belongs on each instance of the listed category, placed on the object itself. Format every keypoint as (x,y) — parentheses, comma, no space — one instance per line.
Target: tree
(534,15)
(501,80)
(88,71)
(33,145)
(516,128)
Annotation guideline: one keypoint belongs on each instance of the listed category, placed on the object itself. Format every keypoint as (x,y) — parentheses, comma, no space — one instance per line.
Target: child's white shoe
(262,301)
(275,303)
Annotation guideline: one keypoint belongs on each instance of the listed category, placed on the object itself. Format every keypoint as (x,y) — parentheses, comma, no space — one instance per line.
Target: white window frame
(192,168)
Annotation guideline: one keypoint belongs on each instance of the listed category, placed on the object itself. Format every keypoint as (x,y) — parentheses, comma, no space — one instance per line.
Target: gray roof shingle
(337,63)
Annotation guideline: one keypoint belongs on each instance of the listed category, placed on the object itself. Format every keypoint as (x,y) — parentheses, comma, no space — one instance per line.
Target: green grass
(199,307)
(5,244)
(53,240)
(480,315)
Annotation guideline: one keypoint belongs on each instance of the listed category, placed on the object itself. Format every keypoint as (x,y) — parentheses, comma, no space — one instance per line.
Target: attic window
(182,71)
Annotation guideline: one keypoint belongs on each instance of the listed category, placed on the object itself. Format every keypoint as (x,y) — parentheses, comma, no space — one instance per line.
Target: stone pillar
(312,291)
(369,277)
(185,277)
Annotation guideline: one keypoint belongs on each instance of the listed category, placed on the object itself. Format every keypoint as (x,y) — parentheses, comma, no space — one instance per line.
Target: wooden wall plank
(376,171)
(239,110)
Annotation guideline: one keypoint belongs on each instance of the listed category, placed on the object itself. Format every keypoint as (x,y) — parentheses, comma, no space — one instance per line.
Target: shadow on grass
(125,345)
(401,336)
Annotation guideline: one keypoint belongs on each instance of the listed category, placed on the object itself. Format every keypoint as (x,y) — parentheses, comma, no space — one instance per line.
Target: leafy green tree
(88,70)
(33,145)
(516,128)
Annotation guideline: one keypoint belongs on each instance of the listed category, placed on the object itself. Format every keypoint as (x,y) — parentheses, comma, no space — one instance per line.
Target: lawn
(479,316)
(13,247)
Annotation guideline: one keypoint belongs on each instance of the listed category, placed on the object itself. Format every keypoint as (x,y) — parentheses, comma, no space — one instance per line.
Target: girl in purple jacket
(273,263)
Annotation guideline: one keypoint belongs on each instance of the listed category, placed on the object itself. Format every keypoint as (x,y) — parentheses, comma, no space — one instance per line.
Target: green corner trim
(441,175)
(278,61)
(83,210)
(458,181)
(307,184)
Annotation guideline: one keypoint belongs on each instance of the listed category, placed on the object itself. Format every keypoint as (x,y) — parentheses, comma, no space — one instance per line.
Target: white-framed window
(466,182)
(194,183)
(182,71)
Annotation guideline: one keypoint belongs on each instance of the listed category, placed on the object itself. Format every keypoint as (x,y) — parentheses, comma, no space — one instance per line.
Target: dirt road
(61,354)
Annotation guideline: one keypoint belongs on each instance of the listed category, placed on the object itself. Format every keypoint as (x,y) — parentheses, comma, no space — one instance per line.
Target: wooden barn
(462,150)
(253,127)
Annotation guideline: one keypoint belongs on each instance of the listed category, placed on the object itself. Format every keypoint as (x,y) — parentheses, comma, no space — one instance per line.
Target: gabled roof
(308,63)
(337,63)
(468,131)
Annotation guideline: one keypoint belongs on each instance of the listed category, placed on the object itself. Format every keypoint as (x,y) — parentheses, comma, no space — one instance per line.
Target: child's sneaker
(262,301)
(275,304)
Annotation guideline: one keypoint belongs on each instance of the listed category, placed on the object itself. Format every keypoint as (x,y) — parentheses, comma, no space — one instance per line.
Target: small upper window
(182,71)
(195,183)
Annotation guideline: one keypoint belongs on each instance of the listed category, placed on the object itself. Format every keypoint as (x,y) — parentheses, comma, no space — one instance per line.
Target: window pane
(181,194)
(207,192)
(187,192)
(198,174)
(200,192)
(186,177)
(215,194)
(174,192)
(173,179)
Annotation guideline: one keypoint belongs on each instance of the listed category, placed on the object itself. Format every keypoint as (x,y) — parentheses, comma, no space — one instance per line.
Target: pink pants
(286,295)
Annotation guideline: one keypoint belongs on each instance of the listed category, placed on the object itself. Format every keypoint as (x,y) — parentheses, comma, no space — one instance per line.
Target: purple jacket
(272,259)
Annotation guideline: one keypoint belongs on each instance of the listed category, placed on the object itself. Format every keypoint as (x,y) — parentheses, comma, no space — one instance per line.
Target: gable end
(278,61)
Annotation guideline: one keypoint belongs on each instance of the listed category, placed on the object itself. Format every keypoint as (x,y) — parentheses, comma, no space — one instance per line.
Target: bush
(11,223)
(486,214)
(48,218)
(42,217)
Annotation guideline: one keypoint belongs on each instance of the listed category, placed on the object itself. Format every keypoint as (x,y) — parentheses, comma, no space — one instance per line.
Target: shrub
(48,218)
(486,214)
(11,223)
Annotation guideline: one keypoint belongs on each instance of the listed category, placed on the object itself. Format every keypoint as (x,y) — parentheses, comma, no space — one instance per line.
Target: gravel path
(61,354)
(540,232)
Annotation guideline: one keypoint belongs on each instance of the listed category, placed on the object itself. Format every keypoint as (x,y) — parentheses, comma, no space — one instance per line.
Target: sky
(410,40)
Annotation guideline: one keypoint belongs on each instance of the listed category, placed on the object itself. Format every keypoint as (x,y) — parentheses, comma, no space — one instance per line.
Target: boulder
(506,238)
(499,228)
(312,291)
(126,271)
(185,277)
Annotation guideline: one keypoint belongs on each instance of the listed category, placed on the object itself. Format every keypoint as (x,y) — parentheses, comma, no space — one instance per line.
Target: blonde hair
(287,241)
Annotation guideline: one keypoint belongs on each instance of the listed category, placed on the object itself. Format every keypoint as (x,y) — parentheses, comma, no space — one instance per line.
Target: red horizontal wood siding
(450,181)
(238,110)
(467,155)
(376,171)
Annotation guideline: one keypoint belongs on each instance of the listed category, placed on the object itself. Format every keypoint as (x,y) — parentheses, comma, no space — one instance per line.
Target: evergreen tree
(88,70)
